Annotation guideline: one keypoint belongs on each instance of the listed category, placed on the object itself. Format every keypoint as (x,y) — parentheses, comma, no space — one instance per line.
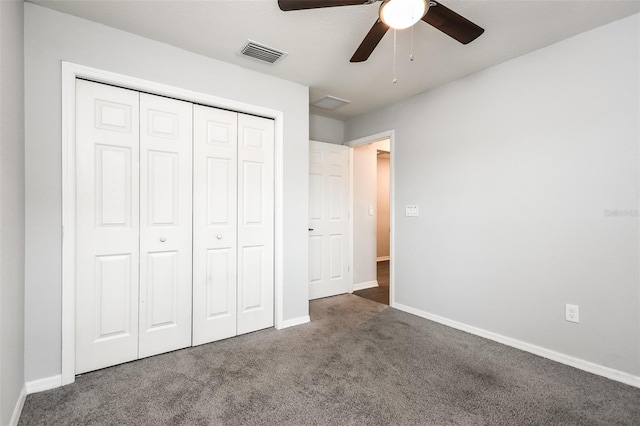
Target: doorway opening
(372,218)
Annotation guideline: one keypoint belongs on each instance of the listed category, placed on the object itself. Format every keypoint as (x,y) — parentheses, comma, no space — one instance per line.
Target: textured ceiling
(320,42)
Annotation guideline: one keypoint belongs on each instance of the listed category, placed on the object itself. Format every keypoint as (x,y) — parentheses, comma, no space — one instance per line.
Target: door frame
(389,134)
(71,72)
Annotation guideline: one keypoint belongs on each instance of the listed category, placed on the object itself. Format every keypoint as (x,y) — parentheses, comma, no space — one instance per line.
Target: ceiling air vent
(261,52)
(330,103)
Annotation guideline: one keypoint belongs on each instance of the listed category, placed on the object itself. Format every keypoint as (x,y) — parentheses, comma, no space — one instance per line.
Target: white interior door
(328,220)
(215,170)
(107,226)
(165,224)
(255,223)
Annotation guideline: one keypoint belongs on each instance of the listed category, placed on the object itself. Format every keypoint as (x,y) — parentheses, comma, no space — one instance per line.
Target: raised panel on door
(328,220)
(165,224)
(107,226)
(214,224)
(255,223)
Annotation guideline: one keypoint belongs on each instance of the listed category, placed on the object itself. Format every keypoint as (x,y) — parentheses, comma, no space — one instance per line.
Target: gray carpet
(357,362)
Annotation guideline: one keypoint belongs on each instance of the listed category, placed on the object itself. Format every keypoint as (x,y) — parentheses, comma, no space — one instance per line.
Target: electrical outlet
(572,313)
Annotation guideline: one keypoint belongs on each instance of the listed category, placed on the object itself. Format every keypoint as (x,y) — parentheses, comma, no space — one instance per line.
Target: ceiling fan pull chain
(395,80)
(411,56)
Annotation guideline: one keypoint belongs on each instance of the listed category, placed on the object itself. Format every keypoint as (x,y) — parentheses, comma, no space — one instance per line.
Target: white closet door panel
(255,223)
(163,287)
(112,291)
(107,226)
(214,224)
(328,220)
(165,224)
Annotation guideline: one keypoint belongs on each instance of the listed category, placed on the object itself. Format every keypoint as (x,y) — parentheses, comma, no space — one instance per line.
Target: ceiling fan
(398,14)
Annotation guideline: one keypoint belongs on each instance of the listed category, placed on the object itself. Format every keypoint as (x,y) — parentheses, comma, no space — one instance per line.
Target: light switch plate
(412,210)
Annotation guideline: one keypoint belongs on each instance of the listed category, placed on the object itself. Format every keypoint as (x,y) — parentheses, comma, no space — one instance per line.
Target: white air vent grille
(261,52)
(330,103)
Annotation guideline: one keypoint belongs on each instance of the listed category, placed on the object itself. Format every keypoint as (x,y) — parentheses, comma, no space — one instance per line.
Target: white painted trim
(578,363)
(365,285)
(70,72)
(278,252)
(294,321)
(17,410)
(351,210)
(392,216)
(370,139)
(350,225)
(47,383)
(383,258)
(389,134)
(68,224)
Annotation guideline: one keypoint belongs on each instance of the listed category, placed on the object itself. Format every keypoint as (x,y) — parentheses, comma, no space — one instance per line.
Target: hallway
(378,294)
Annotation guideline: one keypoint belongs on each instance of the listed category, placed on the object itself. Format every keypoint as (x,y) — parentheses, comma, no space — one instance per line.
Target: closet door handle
(310,229)
(219,236)
(163,239)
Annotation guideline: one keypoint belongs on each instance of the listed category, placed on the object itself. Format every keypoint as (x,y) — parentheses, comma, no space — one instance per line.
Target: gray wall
(11,207)
(323,129)
(527,178)
(51,37)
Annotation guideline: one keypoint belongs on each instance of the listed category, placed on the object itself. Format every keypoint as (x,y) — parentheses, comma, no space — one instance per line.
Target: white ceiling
(320,42)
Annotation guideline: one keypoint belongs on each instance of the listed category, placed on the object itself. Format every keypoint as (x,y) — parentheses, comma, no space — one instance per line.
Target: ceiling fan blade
(287,5)
(370,41)
(452,24)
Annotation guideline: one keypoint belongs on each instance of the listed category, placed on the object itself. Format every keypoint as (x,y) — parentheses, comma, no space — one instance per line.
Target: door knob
(163,239)
(310,229)
(219,236)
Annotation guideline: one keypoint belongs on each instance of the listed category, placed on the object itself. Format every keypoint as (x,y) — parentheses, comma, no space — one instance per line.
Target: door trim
(70,72)
(389,134)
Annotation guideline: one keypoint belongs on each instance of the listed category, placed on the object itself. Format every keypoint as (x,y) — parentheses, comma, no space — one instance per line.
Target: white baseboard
(295,321)
(382,258)
(578,363)
(17,410)
(44,384)
(366,284)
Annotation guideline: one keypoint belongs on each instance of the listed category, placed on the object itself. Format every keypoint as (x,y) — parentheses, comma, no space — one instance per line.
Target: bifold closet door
(233,215)
(215,158)
(107,225)
(255,223)
(174,224)
(165,224)
(133,225)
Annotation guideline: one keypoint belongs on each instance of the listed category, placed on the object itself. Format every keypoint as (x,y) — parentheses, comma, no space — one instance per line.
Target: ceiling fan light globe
(401,14)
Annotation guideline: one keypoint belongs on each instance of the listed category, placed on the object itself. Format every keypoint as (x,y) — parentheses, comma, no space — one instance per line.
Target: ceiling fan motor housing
(401,14)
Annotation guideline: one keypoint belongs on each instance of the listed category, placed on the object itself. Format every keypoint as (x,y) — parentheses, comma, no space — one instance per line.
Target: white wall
(518,171)
(323,129)
(382,211)
(11,210)
(364,225)
(51,37)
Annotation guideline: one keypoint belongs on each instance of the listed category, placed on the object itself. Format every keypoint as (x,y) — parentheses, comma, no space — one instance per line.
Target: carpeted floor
(357,362)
